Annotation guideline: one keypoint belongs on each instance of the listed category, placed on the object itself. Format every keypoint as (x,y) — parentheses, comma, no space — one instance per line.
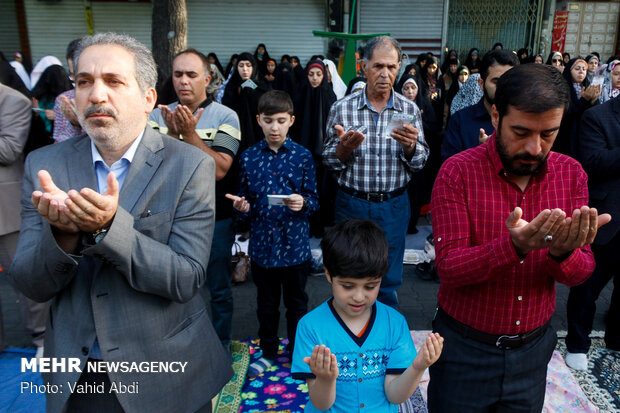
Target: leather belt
(504,341)
(373,196)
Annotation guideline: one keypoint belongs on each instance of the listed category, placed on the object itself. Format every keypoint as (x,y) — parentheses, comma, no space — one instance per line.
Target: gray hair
(382,41)
(145,67)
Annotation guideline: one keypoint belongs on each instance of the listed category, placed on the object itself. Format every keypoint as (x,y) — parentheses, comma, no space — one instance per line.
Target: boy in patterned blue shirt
(277,191)
(356,353)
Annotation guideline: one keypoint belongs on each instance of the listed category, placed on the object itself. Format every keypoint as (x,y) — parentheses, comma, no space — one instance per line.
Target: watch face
(100,236)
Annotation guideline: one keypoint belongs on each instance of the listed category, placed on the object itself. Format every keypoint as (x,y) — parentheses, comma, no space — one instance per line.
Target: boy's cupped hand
(431,350)
(239,203)
(295,202)
(323,363)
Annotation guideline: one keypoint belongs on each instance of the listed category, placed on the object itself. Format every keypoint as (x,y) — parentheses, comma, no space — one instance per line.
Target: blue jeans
(219,273)
(393,217)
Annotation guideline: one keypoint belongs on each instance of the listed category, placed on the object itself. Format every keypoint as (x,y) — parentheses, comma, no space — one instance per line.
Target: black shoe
(424,271)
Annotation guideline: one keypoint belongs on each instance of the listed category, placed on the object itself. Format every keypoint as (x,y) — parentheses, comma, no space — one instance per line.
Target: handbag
(241,265)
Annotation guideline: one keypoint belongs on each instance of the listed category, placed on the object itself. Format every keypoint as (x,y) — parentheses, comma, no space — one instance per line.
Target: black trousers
(475,377)
(581,305)
(271,283)
(105,402)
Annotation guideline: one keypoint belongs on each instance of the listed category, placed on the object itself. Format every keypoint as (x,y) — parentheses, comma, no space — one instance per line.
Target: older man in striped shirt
(374,144)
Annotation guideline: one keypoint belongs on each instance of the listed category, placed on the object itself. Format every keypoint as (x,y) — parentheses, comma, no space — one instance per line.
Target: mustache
(100,109)
(527,157)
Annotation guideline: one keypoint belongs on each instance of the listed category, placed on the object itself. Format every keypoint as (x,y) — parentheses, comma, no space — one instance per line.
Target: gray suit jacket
(15,117)
(136,291)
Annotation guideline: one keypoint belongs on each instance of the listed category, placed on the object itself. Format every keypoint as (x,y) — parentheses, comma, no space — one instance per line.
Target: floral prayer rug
(274,390)
(601,382)
(229,398)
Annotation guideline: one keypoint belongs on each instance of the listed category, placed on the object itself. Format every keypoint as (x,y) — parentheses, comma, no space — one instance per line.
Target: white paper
(277,199)
(397,122)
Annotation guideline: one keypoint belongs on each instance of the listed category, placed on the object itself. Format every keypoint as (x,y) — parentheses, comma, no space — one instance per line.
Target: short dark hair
(531,89)
(275,101)
(201,56)
(497,57)
(71,48)
(355,249)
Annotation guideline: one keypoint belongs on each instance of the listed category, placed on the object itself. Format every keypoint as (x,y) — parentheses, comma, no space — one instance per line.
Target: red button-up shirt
(484,283)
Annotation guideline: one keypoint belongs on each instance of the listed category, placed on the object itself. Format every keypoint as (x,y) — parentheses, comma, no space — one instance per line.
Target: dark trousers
(105,402)
(471,376)
(270,284)
(581,305)
(219,273)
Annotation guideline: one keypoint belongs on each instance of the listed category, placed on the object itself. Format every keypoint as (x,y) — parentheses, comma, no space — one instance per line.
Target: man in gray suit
(114,229)
(15,117)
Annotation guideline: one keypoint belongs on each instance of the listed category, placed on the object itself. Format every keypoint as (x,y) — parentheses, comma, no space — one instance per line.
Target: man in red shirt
(510,218)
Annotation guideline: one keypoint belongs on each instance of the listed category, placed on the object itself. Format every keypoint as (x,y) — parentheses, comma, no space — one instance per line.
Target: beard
(509,161)
(487,97)
(100,130)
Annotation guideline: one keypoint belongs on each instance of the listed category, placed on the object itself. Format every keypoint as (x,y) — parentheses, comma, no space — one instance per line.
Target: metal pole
(541,6)
(444,31)
(353,13)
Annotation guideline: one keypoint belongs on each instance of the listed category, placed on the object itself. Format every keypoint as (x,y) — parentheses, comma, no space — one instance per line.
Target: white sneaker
(39,353)
(577,361)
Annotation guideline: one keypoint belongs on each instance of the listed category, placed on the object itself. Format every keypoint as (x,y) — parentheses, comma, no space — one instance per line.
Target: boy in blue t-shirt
(278,191)
(356,353)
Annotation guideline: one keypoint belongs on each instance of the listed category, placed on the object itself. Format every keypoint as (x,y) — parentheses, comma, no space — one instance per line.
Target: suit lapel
(143,167)
(80,166)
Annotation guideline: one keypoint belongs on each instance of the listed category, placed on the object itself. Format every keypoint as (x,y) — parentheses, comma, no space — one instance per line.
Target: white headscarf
(340,89)
(40,67)
(21,72)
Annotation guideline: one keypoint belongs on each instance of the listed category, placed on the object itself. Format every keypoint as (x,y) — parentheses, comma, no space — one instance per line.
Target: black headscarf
(548,62)
(569,78)
(244,101)
(423,102)
(53,81)
(422,57)
(262,62)
(230,65)
(270,83)
(312,106)
(471,63)
(527,56)
(566,141)
(217,63)
(285,79)
(10,78)
(353,82)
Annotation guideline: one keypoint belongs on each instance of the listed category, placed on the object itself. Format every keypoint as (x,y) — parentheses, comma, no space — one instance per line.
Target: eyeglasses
(556,60)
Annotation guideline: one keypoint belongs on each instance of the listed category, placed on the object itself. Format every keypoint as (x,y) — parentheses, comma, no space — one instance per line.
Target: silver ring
(548,238)
(411,145)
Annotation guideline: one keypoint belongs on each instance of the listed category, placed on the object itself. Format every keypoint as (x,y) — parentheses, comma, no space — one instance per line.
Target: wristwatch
(98,235)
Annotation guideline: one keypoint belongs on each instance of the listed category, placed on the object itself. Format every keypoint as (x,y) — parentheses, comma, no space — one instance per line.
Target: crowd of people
(124,230)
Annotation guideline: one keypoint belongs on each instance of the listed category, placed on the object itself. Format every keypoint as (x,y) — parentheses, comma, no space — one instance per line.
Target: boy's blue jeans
(393,217)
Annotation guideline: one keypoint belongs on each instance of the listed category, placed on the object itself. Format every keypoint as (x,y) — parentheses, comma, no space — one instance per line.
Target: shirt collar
(392,103)
(496,162)
(265,147)
(129,154)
